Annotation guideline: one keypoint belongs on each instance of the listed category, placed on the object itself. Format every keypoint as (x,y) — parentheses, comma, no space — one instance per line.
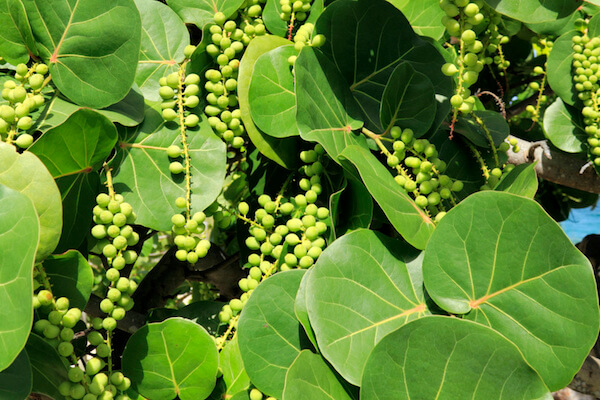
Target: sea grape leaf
(360,289)
(16,39)
(500,260)
(534,11)
(19,232)
(269,335)
(164,36)
(202,12)
(463,359)
(71,277)
(142,169)
(173,358)
(564,127)
(301,310)
(25,173)
(410,221)
(91,47)
(350,208)
(522,180)
(424,16)
(271,93)
(271,18)
(309,377)
(326,111)
(230,362)
(282,151)
(558,67)
(47,367)
(408,100)
(16,380)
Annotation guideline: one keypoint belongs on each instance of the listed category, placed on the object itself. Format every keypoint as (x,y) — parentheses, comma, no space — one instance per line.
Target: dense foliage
(309,199)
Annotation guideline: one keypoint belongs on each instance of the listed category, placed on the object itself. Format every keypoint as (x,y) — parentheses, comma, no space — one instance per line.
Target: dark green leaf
(202,12)
(534,11)
(16,380)
(350,208)
(16,39)
(559,68)
(71,277)
(522,180)
(475,130)
(205,313)
(230,362)
(47,367)
(301,309)
(424,16)
(564,128)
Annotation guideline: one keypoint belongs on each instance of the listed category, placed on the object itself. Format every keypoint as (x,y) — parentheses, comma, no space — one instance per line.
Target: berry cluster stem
(186,150)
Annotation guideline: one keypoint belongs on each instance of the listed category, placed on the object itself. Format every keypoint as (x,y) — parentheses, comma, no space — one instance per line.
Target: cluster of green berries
(187,233)
(57,326)
(300,9)
(461,15)
(420,171)
(92,384)
(534,110)
(284,234)
(586,73)
(176,89)
(304,37)
(23,96)
(495,40)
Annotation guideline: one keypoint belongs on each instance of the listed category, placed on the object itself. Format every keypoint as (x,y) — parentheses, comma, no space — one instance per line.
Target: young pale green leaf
(16,380)
(408,100)
(71,277)
(269,334)
(91,46)
(205,313)
(410,221)
(142,169)
(559,66)
(301,310)
(522,180)
(309,377)
(326,111)
(164,36)
(502,261)
(448,358)
(282,151)
(230,362)
(360,289)
(174,358)
(564,128)
(16,39)
(19,232)
(424,16)
(47,367)
(534,11)
(350,208)
(202,12)
(271,93)
(25,173)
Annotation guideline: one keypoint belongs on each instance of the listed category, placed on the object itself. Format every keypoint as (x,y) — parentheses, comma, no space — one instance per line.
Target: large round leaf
(47,367)
(202,12)
(25,173)
(534,11)
(19,234)
(16,380)
(176,357)
(71,276)
(559,67)
(269,334)
(449,358)
(424,16)
(360,289)
(142,169)
(502,261)
(91,46)
(164,36)
(564,127)
(16,40)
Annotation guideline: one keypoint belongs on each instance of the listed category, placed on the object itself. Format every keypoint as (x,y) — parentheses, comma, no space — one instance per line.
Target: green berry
(174,151)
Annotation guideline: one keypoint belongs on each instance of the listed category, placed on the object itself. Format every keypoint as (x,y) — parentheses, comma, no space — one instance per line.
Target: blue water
(582,222)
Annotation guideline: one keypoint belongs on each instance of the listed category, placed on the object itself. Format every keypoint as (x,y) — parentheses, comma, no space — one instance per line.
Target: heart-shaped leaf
(410,221)
(25,173)
(269,335)
(564,128)
(309,377)
(522,180)
(202,12)
(503,262)
(71,277)
(534,11)
(16,380)
(360,289)
(47,367)
(559,66)
(174,358)
(230,362)
(448,358)
(19,232)
(16,39)
(424,16)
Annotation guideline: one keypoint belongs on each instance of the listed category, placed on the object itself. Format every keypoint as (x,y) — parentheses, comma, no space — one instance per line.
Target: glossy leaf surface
(47,367)
(202,12)
(522,180)
(71,277)
(564,128)
(16,380)
(230,362)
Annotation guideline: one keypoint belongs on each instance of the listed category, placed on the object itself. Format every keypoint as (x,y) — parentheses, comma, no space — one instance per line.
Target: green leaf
(271,18)
(424,16)
(91,46)
(534,11)
(16,380)
(271,93)
(205,313)
(559,67)
(202,12)
(142,169)
(350,208)
(522,180)
(230,362)
(282,151)
(408,100)
(410,221)
(241,396)
(19,232)
(176,357)
(71,277)
(16,39)
(25,173)
(502,261)
(269,335)
(326,111)
(301,310)
(564,127)
(309,377)
(360,289)
(475,130)
(463,360)
(164,37)
(47,367)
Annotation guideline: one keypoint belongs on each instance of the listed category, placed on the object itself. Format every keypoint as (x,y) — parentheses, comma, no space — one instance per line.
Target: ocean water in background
(582,222)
